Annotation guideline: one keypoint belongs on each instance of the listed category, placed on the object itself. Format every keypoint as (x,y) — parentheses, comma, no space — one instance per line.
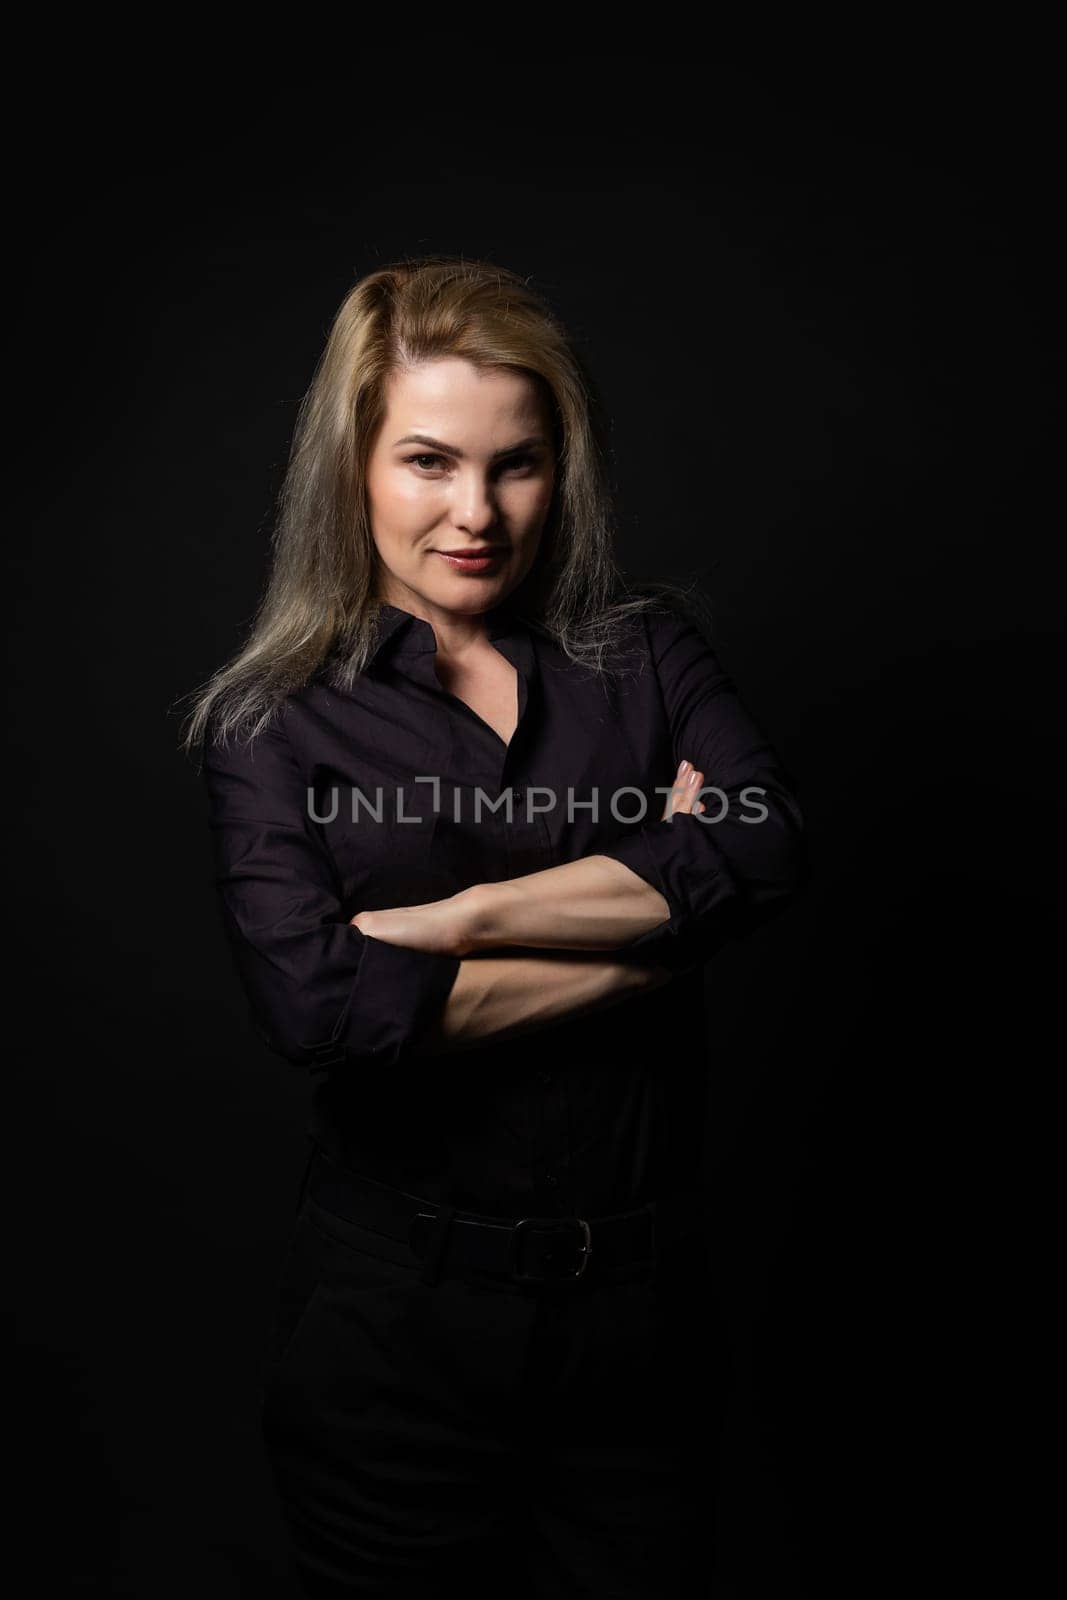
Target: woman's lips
(480,562)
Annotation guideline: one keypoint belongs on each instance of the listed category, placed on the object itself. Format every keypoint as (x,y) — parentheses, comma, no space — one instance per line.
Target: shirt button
(552,1180)
(545,1077)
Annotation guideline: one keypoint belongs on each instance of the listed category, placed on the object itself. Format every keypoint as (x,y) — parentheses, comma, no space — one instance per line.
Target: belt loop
(435,1250)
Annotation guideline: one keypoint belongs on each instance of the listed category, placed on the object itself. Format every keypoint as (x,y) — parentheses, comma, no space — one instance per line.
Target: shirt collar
(402,634)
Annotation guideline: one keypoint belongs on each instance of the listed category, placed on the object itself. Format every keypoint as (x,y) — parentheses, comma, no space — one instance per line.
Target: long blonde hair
(319,609)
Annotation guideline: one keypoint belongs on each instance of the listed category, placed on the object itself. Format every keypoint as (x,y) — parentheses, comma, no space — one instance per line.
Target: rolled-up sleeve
(727,871)
(320,993)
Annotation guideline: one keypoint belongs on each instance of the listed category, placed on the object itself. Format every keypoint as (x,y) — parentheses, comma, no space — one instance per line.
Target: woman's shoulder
(630,636)
(238,736)
(665,615)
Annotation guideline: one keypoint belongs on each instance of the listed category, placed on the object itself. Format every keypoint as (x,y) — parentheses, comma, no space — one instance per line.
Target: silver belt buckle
(549,1225)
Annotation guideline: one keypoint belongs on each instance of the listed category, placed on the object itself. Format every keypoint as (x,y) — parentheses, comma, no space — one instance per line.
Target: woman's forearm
(594,903)
(494,997)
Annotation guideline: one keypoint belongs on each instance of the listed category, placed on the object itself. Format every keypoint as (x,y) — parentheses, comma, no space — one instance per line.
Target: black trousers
(489,1437)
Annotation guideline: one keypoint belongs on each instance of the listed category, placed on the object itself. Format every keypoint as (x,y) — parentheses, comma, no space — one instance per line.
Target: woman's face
(463,462)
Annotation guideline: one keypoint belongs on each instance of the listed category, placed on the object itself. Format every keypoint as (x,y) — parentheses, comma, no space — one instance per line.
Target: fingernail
(684,767)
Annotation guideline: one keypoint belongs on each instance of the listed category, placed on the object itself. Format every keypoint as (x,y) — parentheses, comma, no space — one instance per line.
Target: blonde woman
(480,815)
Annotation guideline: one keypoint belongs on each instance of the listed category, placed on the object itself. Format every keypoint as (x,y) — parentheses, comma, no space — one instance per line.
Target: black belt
(524,1249)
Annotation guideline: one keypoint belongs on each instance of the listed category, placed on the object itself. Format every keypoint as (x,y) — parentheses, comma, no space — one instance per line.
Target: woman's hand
(688,783)
(443,927)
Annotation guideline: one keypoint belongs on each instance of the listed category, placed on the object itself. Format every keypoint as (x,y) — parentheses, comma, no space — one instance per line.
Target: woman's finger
(688,782)
(670,804)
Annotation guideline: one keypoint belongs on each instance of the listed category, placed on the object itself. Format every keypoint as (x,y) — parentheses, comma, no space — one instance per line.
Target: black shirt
(596,1113)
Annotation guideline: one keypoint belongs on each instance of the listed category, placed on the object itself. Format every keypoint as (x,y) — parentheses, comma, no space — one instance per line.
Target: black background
(816,296)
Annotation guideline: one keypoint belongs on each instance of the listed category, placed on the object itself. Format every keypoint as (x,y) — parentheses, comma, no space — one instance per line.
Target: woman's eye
(425,462)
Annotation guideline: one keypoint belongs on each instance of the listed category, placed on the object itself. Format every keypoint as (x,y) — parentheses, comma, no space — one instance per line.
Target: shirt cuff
(397,993)
(693,877)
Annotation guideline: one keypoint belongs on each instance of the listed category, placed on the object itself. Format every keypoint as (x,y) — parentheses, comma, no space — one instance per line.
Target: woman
(480,816)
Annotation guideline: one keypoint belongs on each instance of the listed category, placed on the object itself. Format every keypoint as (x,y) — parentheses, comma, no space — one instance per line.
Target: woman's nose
(474,503)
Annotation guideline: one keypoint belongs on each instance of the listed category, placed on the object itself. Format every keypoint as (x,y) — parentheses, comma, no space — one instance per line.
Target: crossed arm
(329,991)
(585,909)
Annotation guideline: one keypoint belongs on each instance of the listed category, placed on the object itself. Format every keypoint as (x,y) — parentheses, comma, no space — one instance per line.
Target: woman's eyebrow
(453,450)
